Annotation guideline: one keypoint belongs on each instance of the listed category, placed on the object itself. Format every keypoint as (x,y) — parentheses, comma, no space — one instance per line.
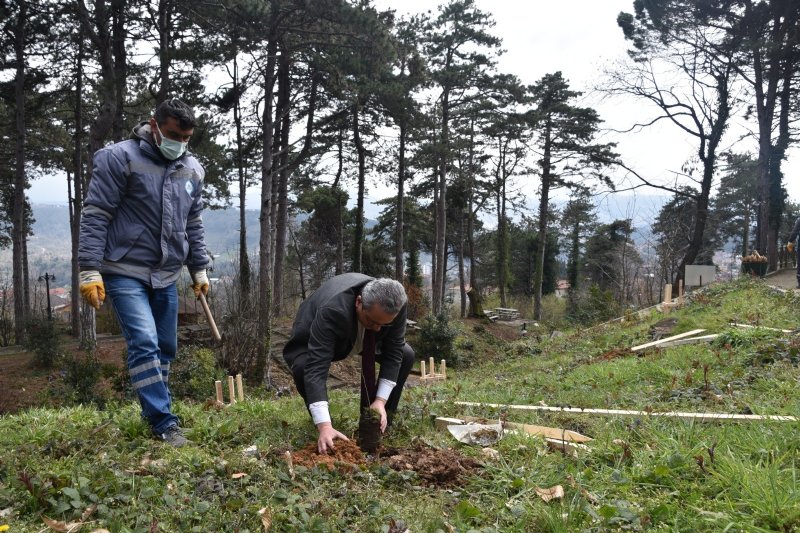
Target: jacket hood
(142,132)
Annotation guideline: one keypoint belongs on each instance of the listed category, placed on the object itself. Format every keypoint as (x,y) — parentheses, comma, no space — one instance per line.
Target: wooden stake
(680,293)
(667,296)
(239,387)
(432,367)
(422,369)
(231,391)
(700,417)
(443,368)
(218,386)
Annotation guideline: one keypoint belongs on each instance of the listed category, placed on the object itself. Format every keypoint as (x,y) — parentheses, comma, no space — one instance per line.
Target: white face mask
(171,149)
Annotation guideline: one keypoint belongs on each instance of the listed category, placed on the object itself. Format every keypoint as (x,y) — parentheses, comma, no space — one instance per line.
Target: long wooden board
(553,433)
(667,339)
(760,327)
(691,340)
(700,417)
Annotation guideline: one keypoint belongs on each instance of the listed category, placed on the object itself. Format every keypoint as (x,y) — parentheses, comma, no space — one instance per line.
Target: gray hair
(389,293)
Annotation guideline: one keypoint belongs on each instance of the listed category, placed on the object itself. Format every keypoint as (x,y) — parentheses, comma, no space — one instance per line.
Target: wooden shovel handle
(210,318)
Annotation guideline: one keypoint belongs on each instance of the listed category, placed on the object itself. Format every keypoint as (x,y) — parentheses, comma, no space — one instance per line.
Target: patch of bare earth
(435,467)
(345,455)
(23,385)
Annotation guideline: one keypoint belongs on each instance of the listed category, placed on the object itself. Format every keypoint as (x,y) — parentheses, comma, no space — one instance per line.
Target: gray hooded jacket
(142,213)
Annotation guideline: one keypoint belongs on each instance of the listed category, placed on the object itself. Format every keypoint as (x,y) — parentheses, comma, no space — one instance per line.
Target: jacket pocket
(120,243)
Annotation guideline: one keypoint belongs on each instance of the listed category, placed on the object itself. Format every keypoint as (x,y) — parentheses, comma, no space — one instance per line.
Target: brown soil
(616,353)
(435,467)
(346,455)
(24,385)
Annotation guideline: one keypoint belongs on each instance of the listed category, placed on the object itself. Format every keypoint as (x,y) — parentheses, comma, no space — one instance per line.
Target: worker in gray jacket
(141,222)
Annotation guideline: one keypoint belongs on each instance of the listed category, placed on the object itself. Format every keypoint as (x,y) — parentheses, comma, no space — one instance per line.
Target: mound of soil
(346,454)
(435,467)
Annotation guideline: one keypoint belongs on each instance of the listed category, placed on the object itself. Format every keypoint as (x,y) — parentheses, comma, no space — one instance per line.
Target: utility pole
(46,278)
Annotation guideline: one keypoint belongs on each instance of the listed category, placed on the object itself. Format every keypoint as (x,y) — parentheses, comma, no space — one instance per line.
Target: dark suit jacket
(326,327)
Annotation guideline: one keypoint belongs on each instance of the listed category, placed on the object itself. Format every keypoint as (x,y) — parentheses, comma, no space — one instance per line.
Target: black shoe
(174,436)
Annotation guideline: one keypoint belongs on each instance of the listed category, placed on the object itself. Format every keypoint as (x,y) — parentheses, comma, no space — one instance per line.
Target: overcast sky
(579,38)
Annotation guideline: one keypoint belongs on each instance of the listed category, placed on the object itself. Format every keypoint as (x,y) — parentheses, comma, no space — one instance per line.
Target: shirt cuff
(385,388)
(319,412)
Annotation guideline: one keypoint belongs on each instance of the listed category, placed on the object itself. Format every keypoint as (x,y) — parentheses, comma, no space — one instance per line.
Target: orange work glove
(200,282)
(92,288)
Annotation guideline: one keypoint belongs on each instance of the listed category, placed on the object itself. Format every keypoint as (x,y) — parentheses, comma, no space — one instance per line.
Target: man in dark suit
(350,314)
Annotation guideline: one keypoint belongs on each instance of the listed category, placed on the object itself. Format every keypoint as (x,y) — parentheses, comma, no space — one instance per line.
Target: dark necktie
(369,385)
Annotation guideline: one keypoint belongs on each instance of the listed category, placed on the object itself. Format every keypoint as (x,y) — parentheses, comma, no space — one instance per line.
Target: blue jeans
(149,321)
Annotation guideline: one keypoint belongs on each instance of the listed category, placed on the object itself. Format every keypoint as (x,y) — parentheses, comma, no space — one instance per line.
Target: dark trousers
(299,367)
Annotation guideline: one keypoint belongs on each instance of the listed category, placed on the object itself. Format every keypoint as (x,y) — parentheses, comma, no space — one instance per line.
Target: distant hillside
(51,229)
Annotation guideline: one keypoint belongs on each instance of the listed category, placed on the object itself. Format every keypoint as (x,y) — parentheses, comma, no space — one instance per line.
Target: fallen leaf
(238,475)
(266,518)
(552,493)
(62,527)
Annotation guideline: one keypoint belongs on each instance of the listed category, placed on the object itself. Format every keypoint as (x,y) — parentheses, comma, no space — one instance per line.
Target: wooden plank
(760,327)
(554,433)
(699,417)
(441,422)
(666,339)
(568,448)
(679,342)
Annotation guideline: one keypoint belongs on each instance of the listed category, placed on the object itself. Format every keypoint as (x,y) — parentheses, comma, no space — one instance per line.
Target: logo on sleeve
(189,187)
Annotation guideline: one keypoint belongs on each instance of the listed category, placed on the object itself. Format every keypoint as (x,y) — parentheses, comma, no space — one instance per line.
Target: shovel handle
(210,318)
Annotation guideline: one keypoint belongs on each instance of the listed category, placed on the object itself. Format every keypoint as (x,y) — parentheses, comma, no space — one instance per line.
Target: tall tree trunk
(746,230)
(440,276)
(165,9)
(76,196)
(400,208)
(708,155)
(97,29)
(462,280)
(358,235)
(538,275)
(119,33)
(18,231)
(244,258)
(284,105)
(265,218)
(339,267)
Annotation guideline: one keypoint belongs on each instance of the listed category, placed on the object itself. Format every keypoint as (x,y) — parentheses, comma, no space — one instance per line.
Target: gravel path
(785,278)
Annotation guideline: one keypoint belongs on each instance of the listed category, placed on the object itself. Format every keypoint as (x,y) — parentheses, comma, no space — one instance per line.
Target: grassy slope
(674,476)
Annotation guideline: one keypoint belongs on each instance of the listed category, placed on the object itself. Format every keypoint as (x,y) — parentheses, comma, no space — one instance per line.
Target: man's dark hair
(176,109)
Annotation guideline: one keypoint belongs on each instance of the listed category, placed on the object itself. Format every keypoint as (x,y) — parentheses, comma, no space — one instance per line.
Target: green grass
(641,474)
